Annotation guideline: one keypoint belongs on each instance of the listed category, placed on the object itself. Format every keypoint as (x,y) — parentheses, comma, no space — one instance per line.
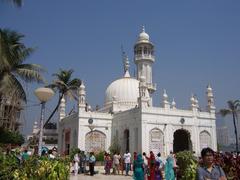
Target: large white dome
(124,90)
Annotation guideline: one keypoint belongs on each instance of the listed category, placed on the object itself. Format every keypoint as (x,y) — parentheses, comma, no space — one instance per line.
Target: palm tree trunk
(235,130)
(56,108)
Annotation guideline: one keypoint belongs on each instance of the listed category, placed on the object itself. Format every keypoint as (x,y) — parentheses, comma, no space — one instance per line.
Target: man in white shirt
(127,161)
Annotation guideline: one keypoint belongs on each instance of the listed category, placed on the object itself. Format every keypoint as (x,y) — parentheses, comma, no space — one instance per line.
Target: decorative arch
(95,141)
(156,141)
(182,140)
(205,139)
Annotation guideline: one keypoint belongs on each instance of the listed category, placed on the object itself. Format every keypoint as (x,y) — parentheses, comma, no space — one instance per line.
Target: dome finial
(143,28)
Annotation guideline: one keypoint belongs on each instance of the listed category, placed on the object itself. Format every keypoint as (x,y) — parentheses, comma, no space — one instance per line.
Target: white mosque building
(129,118)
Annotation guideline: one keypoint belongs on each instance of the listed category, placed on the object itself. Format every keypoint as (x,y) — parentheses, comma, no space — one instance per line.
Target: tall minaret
(81,98)
(144,58)
(62,108)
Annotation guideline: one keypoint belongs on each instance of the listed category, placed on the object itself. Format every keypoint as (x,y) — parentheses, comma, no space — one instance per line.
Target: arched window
(145,50)
(156,141)
(205,140)
(95,141)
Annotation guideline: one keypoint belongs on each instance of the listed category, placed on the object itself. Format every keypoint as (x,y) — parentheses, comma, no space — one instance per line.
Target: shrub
(187,165)
(33,168)
(73,151)
(100,156)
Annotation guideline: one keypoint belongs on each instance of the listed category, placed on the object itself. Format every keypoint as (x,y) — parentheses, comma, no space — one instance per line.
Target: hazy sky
(196,43)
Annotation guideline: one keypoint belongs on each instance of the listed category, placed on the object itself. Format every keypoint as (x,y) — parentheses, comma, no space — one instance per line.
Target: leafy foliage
(187,165)
(9,137)
(13,53)
(7,165)
(233,109)
(33,168)
(115,147)
(65,85)
(100,156)
(73,151)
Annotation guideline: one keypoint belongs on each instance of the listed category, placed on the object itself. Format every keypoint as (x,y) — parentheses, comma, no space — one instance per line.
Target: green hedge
(34,168)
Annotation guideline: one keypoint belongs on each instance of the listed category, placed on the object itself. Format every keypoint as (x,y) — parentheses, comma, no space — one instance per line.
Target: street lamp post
(43,94)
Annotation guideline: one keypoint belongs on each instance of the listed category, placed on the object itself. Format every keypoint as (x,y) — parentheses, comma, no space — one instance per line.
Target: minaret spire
(126,63)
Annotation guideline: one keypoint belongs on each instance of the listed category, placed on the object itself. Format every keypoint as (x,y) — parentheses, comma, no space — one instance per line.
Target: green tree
(233,108)
(65,85)
(115,147)
(13,53)
(9,137)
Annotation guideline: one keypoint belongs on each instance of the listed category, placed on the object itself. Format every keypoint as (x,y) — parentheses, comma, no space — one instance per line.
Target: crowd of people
(147,166)
(81,161)
(142,166)
(23,154)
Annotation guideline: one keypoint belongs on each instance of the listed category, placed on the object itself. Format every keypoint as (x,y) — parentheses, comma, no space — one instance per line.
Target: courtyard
(100,175)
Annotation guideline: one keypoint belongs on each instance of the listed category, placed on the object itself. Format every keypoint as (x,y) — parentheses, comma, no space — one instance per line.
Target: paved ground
(101,176)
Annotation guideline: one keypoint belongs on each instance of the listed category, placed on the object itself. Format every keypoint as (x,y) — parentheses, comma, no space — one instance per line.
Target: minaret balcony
(144,57)
(151,87)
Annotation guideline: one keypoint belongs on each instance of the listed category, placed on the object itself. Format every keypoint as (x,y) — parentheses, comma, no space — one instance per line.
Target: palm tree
(13,53)
(17,3)
(65,85)
(233,108)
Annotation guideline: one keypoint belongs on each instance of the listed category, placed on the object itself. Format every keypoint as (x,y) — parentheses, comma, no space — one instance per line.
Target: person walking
(108,164)
(76,163)
(92,161)
(151,166)
(116,162)
(145,165)
(209,170)
(127,161)
(138,165)
(158,172)
(169,167)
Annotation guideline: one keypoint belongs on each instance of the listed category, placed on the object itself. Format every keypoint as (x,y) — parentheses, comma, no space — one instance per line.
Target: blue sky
(196,43)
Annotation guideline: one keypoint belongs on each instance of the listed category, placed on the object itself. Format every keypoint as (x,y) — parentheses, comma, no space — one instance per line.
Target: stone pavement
(101,176)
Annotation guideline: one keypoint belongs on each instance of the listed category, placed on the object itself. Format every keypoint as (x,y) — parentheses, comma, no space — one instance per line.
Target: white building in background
(222,135)
(128,115)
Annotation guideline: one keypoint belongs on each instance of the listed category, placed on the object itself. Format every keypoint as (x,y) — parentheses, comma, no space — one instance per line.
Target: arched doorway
(181,141)
(126,140)
(95,141)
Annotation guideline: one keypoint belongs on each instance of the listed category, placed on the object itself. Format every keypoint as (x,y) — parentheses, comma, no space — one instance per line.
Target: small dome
(143,36)
(82,86)
(124,90)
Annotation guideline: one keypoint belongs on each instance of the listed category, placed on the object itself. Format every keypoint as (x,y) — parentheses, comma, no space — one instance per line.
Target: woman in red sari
(151,165)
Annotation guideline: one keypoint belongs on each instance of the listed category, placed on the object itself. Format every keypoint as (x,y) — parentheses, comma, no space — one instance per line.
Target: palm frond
(75,83)
(11,86)
(29,72)
(225,112)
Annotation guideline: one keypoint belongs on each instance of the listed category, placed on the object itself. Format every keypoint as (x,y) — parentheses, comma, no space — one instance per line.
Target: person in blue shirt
(209,170)
(92,161)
